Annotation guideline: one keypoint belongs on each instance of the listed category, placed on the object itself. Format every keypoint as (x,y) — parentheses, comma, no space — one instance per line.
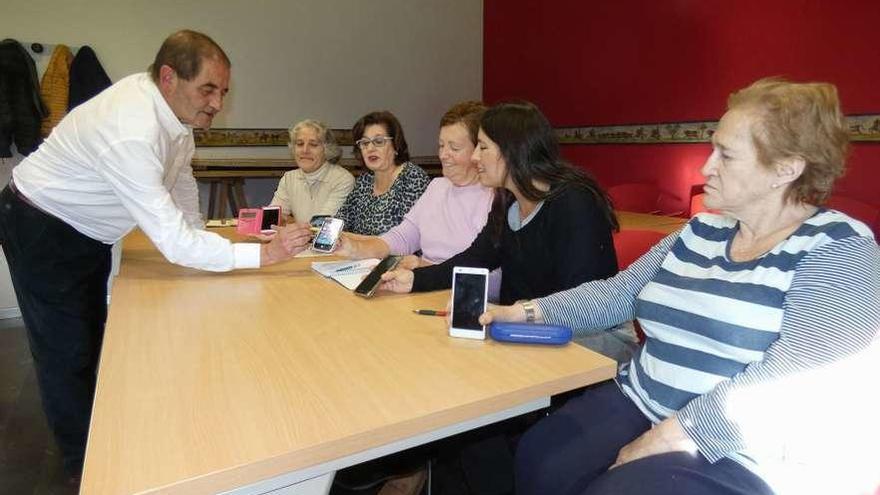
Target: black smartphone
(368,286)
(318,220)
(271,216)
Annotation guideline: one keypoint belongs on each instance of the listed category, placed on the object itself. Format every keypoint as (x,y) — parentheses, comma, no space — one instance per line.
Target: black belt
(24,199)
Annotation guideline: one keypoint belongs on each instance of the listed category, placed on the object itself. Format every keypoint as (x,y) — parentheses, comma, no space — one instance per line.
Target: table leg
(315,486)
(212,200)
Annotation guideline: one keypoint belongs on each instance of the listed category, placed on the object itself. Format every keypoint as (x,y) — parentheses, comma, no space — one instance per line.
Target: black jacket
(21,109)
(87,77)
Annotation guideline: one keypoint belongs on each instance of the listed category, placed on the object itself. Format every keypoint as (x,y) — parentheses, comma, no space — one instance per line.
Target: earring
(774,185)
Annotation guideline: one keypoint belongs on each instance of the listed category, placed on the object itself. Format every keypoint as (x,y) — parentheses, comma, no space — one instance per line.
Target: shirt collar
(317,175)
(166,116)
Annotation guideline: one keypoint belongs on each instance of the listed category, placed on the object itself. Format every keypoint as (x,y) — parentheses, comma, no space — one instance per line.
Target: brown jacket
(54,87)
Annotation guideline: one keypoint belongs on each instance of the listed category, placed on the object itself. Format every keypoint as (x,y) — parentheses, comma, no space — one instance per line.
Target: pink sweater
(443,222)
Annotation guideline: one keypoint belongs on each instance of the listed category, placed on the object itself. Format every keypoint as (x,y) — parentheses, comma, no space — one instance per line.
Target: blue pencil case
(530,333)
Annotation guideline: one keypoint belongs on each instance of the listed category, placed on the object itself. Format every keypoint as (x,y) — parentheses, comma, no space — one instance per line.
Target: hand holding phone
(368,286)
(469,293)
(328,235)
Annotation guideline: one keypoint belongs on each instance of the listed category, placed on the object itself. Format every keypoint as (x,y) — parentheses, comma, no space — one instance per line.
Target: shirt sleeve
(186,196)
(588,253)
(340,186)
(831,310)
(482,253)
(133,170)
(405,238)
(602,304)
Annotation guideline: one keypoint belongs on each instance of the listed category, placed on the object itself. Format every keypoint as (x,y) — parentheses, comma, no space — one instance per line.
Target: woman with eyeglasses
(382,196)
(453,210)
(318,186)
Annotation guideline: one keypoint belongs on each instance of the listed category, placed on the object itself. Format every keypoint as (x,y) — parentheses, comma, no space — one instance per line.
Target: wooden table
(256,380)
(643,221)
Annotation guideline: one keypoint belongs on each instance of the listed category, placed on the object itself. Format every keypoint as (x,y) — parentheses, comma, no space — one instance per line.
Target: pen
(429,312)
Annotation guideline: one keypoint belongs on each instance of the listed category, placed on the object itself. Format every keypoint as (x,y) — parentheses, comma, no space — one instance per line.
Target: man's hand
(399,280)
(666,436)
(289,241)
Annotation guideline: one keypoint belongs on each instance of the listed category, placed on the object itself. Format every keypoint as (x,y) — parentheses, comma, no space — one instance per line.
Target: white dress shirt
(120,160)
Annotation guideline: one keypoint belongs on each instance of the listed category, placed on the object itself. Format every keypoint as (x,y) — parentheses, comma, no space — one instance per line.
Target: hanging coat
(87,77)
(55,86)
(21,109)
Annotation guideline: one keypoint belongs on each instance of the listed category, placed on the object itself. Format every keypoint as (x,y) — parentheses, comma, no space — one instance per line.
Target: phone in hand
(258,220)
(469,292)
(369,285)
(317,221)
(325,240)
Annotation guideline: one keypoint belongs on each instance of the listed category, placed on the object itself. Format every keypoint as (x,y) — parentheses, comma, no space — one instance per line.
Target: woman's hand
(345,245)
(399,280)
(410,262)
(494,312)
(666,436)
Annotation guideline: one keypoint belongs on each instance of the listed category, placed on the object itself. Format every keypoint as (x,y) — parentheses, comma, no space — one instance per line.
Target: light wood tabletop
(209,381)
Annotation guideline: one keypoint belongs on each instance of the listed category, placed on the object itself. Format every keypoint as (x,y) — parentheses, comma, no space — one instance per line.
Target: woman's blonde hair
(801,120)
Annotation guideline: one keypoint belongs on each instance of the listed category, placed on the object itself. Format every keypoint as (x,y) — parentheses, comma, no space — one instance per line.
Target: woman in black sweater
(550,226)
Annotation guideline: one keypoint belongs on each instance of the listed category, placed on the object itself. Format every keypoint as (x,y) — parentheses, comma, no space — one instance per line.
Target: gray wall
(328,59)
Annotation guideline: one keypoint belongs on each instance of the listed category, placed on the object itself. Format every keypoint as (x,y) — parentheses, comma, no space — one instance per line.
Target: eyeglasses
(378,141)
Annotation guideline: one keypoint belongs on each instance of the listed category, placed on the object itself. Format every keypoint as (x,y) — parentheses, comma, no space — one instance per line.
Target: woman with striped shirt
(772,286)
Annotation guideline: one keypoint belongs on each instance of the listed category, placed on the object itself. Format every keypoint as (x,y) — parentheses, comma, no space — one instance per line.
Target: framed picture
(208,138)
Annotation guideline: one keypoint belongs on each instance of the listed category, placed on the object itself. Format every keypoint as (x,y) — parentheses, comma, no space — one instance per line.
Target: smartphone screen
(326,239)
(318,220)
(369,284)
(469,299)
(271,216)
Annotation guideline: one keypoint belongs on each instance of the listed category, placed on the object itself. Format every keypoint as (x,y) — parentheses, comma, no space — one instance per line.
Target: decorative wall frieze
(862,128)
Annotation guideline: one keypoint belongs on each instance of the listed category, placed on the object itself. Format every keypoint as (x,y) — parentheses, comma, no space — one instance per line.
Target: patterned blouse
(367,214)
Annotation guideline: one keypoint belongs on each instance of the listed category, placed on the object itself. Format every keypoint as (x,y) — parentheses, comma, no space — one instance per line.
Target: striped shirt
(714,325)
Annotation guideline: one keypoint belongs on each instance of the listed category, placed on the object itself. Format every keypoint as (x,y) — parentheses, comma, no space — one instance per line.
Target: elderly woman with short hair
(772,286)
(318,186)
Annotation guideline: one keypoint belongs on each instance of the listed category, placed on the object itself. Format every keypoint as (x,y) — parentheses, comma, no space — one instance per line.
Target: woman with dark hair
(550,225)
(382,196)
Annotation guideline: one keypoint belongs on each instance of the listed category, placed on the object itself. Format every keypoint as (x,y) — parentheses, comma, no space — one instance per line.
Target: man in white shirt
(119,160)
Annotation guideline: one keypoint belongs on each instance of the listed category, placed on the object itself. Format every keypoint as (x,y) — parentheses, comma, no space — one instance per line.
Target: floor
(29,461)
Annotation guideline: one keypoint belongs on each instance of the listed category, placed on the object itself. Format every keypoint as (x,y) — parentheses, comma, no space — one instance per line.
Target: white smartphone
(325,239)
(469,290)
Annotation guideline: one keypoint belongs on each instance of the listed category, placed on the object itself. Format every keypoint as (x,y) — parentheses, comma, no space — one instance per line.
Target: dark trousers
(60,280)
(569,452)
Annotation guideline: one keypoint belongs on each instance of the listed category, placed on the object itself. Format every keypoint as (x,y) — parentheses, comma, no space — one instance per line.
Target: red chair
(637,197)
(870,214)
(630,244)
(697,205)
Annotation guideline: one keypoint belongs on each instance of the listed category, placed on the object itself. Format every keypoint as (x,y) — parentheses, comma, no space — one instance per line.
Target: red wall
(598,62)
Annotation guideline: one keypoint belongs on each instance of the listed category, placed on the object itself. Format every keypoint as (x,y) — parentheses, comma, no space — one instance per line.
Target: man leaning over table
(118,161)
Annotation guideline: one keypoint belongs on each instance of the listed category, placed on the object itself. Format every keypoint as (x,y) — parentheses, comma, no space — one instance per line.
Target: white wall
(334,60)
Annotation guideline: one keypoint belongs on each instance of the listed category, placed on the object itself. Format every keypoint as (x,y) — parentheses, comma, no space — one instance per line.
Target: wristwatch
(529,308)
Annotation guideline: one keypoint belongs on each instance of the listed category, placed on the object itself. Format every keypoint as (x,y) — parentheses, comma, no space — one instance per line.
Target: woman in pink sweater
(450,213)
